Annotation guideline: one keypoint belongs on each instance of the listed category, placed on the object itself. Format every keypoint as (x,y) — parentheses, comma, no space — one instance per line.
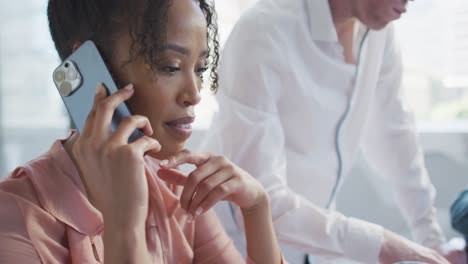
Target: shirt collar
(61,191)
(159,189)
(320,20)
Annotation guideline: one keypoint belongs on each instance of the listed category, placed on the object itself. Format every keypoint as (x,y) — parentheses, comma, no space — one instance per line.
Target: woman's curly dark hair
(75,21)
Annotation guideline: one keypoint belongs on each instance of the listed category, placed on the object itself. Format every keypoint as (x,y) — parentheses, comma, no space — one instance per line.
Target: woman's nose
(191,92)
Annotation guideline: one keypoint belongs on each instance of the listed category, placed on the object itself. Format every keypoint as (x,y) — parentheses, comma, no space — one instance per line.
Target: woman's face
(376,14)
(168,94)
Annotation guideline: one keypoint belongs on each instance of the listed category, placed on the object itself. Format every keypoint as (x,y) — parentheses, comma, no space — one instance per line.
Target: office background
(434,41)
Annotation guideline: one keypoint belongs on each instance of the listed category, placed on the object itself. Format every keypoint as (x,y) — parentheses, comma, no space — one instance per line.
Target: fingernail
(199,211)
(99,88)
(129,87)
(163,163)
(189,218)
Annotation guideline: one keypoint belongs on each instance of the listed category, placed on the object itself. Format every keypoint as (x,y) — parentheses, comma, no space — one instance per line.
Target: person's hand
(456,256)
(454,251)
(113,171)
(396,248)
(215,179)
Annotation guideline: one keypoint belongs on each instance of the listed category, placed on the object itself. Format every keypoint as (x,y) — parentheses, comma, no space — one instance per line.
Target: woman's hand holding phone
(113,171)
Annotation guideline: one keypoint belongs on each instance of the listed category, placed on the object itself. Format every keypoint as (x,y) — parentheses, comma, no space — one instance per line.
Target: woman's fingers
(105,108)
(128,125)
(185,156)
(221,192)
(215,179)
(194,179)
(145,144)
(172,176)
(206,187)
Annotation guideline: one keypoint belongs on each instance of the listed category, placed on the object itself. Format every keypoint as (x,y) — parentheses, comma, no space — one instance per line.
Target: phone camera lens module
(71,74)
(59,76)
(65,88)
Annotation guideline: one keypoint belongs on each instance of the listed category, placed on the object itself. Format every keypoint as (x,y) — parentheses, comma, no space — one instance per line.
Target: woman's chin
(168,151)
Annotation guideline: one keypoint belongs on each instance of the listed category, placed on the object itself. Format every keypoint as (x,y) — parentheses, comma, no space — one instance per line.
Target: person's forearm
(396,248)
(262,245)
(125,246)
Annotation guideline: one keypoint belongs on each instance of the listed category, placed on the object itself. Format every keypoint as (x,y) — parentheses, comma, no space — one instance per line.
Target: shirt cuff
(363,241)
(429,234)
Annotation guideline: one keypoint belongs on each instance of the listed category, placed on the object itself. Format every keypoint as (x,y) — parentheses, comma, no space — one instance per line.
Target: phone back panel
(93,70)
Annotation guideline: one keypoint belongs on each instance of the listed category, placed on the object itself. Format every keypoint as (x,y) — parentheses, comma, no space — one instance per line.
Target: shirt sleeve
(212,244)
(16,246)
(248,130)
(391,146)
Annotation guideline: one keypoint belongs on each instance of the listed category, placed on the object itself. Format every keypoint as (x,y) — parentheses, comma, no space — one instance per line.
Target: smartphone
(76,80)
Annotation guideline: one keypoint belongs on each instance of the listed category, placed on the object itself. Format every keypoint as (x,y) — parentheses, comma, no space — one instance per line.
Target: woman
(93,196)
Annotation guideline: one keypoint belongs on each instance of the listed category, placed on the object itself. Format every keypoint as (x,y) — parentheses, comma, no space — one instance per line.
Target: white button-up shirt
(294,115)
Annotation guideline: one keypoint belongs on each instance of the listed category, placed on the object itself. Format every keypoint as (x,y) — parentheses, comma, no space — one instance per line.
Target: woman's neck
(342,13)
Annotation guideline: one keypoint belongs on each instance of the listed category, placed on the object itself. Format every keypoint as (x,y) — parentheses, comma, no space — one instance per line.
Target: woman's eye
(200,71)
(170,69)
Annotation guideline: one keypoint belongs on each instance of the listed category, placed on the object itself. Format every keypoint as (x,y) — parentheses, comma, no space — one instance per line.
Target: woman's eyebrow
(182,50)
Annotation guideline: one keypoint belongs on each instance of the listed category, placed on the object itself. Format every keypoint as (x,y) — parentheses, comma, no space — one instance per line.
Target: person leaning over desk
(305,85)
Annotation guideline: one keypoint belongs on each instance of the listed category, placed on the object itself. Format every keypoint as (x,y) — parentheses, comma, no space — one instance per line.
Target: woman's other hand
(215,178)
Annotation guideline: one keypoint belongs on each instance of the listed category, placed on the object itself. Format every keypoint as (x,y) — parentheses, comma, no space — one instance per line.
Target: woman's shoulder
(32,181)
(17,186)
(17,198)
(16,242)
(20,195)
(24,223)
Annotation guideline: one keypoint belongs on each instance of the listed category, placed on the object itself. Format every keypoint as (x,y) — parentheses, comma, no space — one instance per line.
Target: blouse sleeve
(16,246)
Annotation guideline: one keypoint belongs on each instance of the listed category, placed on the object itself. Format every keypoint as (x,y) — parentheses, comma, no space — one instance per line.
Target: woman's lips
(182,127)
